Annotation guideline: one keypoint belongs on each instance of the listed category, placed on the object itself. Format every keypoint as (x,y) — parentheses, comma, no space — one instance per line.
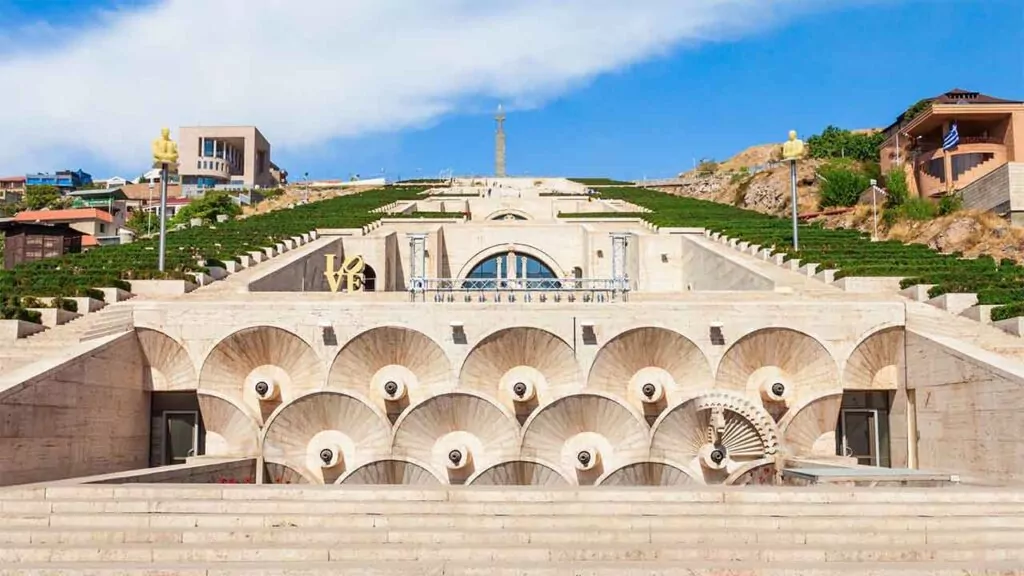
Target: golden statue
(794,148)
(165,151)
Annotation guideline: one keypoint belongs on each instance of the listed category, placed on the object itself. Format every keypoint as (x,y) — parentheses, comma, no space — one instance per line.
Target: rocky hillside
(752,179)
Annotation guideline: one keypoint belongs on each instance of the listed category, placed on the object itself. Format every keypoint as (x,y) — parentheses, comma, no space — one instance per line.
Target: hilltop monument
(499,143)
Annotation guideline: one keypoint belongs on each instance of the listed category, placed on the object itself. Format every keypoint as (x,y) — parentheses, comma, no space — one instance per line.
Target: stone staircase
(386,530)
(112,319)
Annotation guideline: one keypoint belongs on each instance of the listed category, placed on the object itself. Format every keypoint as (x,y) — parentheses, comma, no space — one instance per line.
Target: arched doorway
(369,279)
(498,270)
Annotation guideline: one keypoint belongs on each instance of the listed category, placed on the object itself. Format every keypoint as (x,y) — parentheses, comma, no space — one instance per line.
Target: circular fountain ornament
(266,389)
(714,457)
(523,390)
(587,459)
(393,389)
(330,456)
(458,458)
(652,392)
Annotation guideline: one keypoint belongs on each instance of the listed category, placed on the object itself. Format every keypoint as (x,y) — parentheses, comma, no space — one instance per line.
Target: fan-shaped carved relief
(232,430)
(875,363)
(264,367)
(586,435)
(714,435)
(281,474)
(456,435)
(524,368)
(652,368)
(324,434)
(171,368)
(778,368)
(810,430)
(758,473)
(648,474)
(392,366)
(519,473)
(391,471)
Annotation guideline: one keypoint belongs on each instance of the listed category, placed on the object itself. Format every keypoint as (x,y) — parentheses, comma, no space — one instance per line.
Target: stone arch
(392,471)
(648,473)
(408,359)
(657,357)
(501,214)
(607,430)
(170,366)
(298,433)
(875,362)
(500,249)
(810,428)
(275,357)
(456,434)
(769,357)
(690,434)
(521,472)
(232,430)
(508,357)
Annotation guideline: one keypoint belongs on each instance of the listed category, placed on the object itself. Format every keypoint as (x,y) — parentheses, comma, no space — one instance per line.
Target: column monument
(499,144)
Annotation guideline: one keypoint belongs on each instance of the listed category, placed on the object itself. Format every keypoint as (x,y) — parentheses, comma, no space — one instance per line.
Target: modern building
(211,156)
(25,242)
(64,179)
(12,189)
(112,182)
(990,134)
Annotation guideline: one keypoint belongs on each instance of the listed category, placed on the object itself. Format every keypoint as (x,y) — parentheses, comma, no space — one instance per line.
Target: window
(103,228)
(208,148)
(526,266)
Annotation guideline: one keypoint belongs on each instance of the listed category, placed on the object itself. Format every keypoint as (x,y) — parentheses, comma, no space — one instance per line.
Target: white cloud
(305,71)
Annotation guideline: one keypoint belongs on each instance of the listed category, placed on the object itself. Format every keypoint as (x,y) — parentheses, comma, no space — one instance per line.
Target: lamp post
(165,155)
(874,208)
(792,151)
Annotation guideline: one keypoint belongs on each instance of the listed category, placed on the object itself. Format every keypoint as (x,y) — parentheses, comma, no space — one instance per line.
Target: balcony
(210,167)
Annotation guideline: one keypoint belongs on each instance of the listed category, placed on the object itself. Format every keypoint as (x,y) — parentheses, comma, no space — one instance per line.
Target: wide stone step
(374,553)
(793,509)
(509,495)
(592,521)
(694,536)
(511,569)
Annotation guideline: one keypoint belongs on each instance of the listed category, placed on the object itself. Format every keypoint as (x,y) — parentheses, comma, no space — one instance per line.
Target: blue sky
(855,66)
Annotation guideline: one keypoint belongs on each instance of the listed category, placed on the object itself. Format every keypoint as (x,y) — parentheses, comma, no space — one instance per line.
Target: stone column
(417,261)
(619,243)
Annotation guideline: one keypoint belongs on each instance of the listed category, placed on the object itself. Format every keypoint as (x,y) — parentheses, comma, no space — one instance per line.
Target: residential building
(112,182)
(98,224)
(64,179)
(224,155)
(12,189)
(991,133)
(25,242)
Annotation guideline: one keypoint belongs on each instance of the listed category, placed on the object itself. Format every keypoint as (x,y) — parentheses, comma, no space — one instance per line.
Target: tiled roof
(12,179)
(141,191)
(71,215)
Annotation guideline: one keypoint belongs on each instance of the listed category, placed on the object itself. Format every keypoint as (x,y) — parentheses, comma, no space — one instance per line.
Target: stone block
(233,267)
(827,276)
(868,284)
(1013,326)
(809,270)
(55,316)
(289,243)
(954,303)
(11,330)
(217,273)
(793,264)
(270,252)
(281,247)
(980,313)
(258,256)
(112,295)
(201,279)
(161,288)
(918,292)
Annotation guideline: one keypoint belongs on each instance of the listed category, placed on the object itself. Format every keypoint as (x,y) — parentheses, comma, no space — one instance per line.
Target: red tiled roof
(64,215)
(88,241)
(12,179)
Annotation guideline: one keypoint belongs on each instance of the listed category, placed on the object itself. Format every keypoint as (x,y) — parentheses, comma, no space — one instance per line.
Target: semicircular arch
(500,249)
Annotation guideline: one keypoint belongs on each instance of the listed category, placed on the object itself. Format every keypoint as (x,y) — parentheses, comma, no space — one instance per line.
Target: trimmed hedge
(600,182)
(850,251)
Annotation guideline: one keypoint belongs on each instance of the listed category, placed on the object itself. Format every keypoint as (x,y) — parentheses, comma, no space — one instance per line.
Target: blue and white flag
(952,139)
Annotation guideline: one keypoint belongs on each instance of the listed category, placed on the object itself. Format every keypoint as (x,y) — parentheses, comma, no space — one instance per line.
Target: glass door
(860,435)
(181,436)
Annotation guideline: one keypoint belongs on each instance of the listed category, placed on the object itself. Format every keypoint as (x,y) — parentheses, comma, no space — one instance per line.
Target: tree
(835,142)
(897,188)
(841,184)
(39,197)
(142,222)
(211,205)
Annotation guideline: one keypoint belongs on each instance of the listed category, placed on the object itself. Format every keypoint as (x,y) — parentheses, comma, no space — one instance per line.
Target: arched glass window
(509,216)
(496,269)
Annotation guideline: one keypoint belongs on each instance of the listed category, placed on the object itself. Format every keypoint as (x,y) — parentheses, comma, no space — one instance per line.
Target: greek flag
(952,140)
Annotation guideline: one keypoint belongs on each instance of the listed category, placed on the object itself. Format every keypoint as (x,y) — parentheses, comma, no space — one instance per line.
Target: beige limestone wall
(87,416)
(969,406)
(705,269)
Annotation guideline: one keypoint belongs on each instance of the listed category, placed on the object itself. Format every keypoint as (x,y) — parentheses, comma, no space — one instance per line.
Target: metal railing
(524,289)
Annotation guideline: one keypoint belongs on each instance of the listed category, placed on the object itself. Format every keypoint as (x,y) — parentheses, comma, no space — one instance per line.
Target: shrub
(39,197)
(707,167)
(835,142)
(916,209)
(951,203)
(897,188)
(841,184)
(64,304)
(1009,311)
(211,205)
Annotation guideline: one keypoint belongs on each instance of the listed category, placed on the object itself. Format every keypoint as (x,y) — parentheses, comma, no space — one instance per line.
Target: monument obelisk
(499,144)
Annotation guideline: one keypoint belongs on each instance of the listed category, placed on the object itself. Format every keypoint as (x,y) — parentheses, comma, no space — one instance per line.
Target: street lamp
(874,210)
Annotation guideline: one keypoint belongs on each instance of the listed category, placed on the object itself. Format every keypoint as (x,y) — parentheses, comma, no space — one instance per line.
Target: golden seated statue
(794,148)
(165,151)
